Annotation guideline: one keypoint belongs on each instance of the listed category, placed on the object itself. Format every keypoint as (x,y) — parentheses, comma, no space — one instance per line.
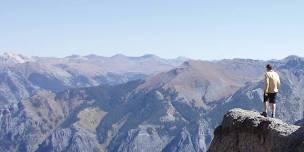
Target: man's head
(268,67)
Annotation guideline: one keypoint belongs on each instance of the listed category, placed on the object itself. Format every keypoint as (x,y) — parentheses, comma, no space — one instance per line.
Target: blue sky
(213,29)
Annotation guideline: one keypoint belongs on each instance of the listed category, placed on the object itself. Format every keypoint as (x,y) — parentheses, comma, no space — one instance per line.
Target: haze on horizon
(196,29)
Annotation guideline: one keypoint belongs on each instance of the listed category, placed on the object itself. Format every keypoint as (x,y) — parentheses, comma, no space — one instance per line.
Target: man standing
(272,85)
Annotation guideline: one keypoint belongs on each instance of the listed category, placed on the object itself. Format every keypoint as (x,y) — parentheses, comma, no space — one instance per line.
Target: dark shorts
(271,97)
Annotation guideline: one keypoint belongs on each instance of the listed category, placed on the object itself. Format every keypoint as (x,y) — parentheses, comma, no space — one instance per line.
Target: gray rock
(248,131)
(145,139)
(181,143)
(300,123)
(70,140)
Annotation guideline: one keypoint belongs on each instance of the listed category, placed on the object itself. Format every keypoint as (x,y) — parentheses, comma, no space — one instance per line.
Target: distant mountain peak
(77,57)
(73,56)
(293,57)
(182,58)
(196,64)
(149,56)
(294,61)
(119,56)
(143,56)
(17,58)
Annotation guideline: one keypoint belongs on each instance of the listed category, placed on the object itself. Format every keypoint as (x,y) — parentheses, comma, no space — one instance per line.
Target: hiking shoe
(264,114)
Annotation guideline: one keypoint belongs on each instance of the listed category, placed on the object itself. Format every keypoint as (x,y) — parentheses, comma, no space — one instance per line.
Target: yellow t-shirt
(272,82)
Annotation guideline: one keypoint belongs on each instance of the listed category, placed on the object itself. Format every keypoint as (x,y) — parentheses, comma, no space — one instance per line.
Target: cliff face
(247,131)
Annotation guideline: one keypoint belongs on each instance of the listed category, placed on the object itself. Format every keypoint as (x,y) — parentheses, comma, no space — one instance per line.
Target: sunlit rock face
(248,131)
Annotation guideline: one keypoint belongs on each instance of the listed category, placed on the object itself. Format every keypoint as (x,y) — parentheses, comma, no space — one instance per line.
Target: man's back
(272,82)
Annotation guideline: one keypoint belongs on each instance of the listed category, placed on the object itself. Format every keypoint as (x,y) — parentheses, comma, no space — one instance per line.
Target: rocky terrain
(174,110)
(248,131)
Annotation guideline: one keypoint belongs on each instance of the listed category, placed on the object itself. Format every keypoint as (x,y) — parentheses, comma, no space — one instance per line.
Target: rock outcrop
(243,130)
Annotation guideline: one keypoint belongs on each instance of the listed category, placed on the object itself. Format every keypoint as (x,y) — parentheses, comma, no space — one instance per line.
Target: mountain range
(22,76)
(130,104)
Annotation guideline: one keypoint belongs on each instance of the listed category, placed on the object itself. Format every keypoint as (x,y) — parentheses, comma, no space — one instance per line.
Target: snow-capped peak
(17,58)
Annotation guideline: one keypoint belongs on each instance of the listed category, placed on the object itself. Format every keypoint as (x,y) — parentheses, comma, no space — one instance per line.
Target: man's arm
(266,83)
(279,82)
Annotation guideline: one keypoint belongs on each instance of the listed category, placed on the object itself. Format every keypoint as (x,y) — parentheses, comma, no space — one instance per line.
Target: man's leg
(272,100)
(265,106)
(273,107)
(264,113)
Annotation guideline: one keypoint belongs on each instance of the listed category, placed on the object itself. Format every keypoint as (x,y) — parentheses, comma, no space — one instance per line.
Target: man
(272,85)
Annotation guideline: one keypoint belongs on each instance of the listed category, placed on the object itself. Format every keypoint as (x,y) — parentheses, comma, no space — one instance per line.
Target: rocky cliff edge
(248,131)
